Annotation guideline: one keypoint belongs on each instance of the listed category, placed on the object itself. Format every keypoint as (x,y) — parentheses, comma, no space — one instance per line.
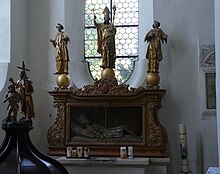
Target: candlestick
(183,149)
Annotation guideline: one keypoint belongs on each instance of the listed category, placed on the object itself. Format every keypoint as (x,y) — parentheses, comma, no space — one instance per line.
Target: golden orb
(108,72)
(63,81)
(152,79)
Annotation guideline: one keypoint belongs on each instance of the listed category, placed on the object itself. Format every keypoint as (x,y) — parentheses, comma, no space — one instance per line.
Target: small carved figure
(154,52)
(13,99)
(62,56)
(106,40)
(25,88)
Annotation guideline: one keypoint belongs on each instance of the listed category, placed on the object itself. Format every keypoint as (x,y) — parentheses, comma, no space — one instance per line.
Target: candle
(183,148)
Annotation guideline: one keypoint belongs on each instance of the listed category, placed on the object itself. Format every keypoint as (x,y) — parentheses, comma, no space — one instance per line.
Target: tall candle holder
(183,149)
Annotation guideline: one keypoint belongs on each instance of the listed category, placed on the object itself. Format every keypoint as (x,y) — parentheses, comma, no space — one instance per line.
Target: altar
(106,116)
(112,165)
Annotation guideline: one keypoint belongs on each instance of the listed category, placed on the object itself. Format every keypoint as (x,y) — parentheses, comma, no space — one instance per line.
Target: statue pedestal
(18,155)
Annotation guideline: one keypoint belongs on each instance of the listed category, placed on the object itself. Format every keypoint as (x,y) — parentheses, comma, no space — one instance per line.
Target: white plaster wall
(74,17)
(42,20)
(217,54)
(18,49)
(5,40)
(187,23)
(145,24)
(33,24)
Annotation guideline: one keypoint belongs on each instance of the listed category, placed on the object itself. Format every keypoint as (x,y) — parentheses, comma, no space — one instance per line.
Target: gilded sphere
(63,81)
(108,72)
(153,79)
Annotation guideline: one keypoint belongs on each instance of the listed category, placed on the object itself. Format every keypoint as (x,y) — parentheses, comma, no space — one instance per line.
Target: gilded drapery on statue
(154,52)
(62,56)
(106,40)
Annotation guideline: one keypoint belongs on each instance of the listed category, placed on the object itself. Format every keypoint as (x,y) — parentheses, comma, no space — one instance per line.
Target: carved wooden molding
(55,134)
(107,93)
(157,134)
(104,86)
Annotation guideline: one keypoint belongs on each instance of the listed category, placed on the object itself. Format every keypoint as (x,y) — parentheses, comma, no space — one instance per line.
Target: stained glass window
(126,38)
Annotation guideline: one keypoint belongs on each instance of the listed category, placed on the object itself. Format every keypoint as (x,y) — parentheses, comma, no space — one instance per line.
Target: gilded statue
(25,91)
(106,39)
(154,52)
(62,56)
(13,99)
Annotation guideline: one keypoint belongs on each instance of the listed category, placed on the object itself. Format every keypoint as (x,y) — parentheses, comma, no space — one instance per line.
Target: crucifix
(23,67)
(24,85)
(23,76)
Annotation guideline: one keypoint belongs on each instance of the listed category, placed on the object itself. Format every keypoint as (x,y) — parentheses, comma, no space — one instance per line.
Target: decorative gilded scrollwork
(157,134)
(106,93)
(55,133)
(107,86)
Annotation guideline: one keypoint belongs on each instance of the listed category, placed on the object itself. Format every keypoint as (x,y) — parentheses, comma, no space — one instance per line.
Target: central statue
(106,39)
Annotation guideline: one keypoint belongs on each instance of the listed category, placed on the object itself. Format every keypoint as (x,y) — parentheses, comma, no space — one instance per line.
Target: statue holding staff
(106,39)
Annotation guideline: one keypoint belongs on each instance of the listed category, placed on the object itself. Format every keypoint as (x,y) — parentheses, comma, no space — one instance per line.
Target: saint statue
(25,91)
(60,43)
(154,52)
(106,39)
(13,99)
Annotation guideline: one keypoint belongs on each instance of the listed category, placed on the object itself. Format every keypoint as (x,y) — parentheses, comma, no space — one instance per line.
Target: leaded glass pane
(126,39)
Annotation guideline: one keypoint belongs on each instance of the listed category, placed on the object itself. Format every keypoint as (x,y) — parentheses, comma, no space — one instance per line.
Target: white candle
(183,148)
